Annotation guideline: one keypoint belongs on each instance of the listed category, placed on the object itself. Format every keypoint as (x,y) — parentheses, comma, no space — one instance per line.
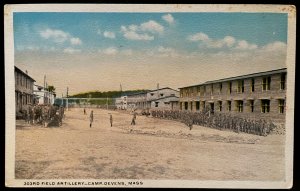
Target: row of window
(239,104)
(23,81)
(23,99)
(265,85)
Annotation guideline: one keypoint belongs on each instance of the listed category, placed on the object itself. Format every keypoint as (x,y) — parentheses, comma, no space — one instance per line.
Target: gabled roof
(138,93)
(252,75)
(145,92)
(162,89)
(20,71)
(164,98)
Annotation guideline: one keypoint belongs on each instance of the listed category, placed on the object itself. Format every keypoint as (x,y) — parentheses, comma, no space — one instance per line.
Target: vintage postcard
(132,95)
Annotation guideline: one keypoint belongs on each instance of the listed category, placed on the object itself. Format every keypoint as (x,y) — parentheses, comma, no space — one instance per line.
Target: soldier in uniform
(133,119)
(111,120)
(91,118)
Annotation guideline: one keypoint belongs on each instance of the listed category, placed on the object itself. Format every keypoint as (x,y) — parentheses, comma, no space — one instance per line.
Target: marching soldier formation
(46,115)
(218,121)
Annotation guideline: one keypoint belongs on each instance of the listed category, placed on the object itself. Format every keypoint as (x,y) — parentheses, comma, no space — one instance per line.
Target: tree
(51,89)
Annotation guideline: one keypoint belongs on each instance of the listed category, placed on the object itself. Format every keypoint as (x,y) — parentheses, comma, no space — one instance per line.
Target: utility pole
(107,103)
(44,89)
(62,99)
(157,90)
(67,99)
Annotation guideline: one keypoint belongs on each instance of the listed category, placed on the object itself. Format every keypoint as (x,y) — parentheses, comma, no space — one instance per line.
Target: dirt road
(153,149)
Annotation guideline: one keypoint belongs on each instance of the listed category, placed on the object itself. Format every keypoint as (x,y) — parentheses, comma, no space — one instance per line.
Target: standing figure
(111,120)
(91,118)
(84,112)
(133,119)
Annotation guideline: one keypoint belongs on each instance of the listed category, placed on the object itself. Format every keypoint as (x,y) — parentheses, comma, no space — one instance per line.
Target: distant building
(164,98)
(43,96)
(121,102)
(23,90)
(259,95)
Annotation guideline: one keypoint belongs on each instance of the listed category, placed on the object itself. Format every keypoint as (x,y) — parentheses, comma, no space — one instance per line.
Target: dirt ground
(152,149)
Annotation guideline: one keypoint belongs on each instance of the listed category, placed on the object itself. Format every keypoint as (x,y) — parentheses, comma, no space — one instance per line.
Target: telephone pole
(67,99)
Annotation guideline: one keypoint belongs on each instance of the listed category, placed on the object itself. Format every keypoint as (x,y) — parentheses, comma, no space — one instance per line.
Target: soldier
(133,119)
(111,120)
(84,112)
(91,118)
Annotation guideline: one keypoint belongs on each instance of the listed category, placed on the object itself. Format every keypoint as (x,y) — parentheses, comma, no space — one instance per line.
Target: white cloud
(163,49)
(109,34)
(152,26)
(133,35)
(71,50)
(226,42)
(275,46)
(168,18)
(33,48)
(244,45)
(59,36)
(167,52)
(109,51)
(198,37)
(75,41)
(56,35)
(144,31)
(229,41)
(127,52)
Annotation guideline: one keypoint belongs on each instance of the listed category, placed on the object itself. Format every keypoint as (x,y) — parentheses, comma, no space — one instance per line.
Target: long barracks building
(259,95)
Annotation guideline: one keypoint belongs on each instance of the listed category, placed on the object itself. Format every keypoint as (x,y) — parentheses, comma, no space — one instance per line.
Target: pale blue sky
(134,41)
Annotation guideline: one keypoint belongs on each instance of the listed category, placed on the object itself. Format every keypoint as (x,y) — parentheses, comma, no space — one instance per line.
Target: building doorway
(212,107)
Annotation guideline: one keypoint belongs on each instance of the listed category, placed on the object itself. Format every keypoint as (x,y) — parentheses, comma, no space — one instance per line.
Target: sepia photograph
(176,96)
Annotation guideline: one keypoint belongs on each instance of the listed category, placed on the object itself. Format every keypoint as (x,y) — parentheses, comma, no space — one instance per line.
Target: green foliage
(51,89)
(109,94)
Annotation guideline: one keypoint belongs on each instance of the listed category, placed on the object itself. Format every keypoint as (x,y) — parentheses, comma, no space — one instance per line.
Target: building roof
(165,97)
(19,70)
(138,93)
(252,75)
(161,89)
(145,92)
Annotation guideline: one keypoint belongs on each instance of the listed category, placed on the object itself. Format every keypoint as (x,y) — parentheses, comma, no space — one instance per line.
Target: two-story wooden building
(23,90)
(163,98)
(259,95)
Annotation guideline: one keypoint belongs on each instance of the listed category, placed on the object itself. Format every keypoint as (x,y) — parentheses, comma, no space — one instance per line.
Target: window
(203,104)
(229,87)
(197,105)
(152,94)
(266,82)
(252,85)
(198,91)
(228,105)
(161,95)
(185,105)
(282,81)
(156,104)
(220,105)
(240,106)
(221,87)
(281,105)
(240,88)
(265,106)
(204,87)
(251,103)
(212,89)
